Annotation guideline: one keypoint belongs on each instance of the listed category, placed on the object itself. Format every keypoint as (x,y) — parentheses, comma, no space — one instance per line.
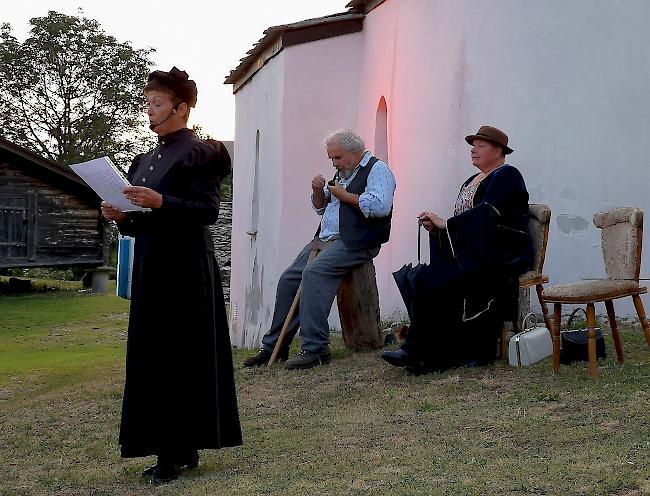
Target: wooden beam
(258,63)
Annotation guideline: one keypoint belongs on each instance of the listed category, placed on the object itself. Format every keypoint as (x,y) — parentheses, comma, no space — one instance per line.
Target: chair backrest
(621,239)
(539,218)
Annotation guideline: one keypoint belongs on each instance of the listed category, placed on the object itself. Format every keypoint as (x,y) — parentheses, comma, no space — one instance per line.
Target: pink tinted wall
(416,67)
(301,95)
(574,108)
(321,87)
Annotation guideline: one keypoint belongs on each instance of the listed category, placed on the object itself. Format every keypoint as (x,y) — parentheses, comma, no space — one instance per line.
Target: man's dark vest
(355,229)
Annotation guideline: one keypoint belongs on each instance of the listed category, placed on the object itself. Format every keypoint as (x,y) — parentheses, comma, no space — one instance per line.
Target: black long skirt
(179,392)
(445,330)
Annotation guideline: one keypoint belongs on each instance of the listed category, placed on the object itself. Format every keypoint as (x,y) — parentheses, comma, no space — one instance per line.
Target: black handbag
(574,343)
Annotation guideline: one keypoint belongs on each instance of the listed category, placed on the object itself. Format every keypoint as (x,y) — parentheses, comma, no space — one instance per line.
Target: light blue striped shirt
(375,201)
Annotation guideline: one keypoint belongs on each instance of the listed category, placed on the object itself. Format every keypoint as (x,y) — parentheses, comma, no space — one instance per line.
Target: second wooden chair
(621,241)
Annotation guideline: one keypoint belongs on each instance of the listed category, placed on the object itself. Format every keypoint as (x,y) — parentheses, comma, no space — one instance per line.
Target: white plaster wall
(259,107)
(566,80)
(290,100)
(321,96)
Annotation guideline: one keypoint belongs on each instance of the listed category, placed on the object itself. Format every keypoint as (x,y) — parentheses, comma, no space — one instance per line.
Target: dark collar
(170,138)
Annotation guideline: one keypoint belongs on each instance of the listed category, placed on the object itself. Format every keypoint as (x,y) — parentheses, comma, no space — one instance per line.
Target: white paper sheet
(107,181)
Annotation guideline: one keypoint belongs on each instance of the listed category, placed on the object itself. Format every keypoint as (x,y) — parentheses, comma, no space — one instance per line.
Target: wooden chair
(621,241)
(539,218)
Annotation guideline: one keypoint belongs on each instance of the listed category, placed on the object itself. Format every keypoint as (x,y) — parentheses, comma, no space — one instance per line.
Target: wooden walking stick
(315,248)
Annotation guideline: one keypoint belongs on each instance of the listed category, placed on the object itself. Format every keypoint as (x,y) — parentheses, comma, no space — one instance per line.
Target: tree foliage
(70,92)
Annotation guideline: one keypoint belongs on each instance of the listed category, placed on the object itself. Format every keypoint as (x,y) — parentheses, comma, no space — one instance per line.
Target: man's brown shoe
(306,360)
(263,357)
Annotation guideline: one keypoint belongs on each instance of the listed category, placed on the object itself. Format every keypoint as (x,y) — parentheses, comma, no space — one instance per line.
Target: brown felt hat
(493,135)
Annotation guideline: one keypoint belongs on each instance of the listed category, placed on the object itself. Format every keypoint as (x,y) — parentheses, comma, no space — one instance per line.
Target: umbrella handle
(419,231)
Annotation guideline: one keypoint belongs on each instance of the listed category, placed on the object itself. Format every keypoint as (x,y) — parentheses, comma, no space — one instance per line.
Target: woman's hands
(111,213)
(143,197)
(431,221)
(138,195)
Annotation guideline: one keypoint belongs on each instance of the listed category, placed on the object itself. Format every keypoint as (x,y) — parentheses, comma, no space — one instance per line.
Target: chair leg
(503,342)
(609,305)
(557,318)
(591,345)
(547,318)
(641,313)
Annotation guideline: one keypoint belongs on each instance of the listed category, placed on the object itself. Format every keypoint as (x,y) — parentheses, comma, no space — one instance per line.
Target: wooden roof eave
(35,159)
(277,38)
(364,6)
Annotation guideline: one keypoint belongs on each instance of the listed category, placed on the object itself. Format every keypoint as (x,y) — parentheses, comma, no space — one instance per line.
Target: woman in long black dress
(179,393)
(458,302)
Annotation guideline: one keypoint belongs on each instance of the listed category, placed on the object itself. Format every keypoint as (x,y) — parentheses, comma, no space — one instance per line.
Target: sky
(205,38)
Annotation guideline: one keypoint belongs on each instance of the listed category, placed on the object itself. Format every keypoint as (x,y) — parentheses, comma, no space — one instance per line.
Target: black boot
(188,460)
(163,471)
(263,357)
(169,467)
(399,358)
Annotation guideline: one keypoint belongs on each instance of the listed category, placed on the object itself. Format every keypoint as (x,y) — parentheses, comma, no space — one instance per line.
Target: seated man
(356,211)
(458,301)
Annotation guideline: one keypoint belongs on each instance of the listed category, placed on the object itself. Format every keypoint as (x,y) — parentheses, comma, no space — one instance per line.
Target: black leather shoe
(188,461)
(263,357)
(148,472)
(418,369)
(306,360)
(398,358)
(163,473)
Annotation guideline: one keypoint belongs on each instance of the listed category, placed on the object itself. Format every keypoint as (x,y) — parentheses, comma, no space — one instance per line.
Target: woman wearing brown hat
(457,303)
(179,393)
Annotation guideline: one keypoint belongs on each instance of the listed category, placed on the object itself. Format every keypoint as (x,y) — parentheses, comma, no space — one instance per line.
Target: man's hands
(431,221)
(336,190)
(318,195)
(342,194)
(318,183)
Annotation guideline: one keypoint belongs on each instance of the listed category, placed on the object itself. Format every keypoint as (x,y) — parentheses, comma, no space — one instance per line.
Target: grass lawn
(357,426)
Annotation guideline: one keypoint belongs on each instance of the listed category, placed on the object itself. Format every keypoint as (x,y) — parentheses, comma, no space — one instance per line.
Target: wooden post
(358,304)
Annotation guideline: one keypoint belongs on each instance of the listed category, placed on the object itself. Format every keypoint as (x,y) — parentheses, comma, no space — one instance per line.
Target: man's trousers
(321,278)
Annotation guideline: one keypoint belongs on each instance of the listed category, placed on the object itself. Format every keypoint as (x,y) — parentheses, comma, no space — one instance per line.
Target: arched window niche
(255,210)
(381,131)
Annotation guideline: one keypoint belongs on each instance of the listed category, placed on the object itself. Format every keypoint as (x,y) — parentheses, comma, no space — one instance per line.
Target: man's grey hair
(350,141)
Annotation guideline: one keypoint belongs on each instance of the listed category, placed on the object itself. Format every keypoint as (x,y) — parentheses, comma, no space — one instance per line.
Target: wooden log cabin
(48,216)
